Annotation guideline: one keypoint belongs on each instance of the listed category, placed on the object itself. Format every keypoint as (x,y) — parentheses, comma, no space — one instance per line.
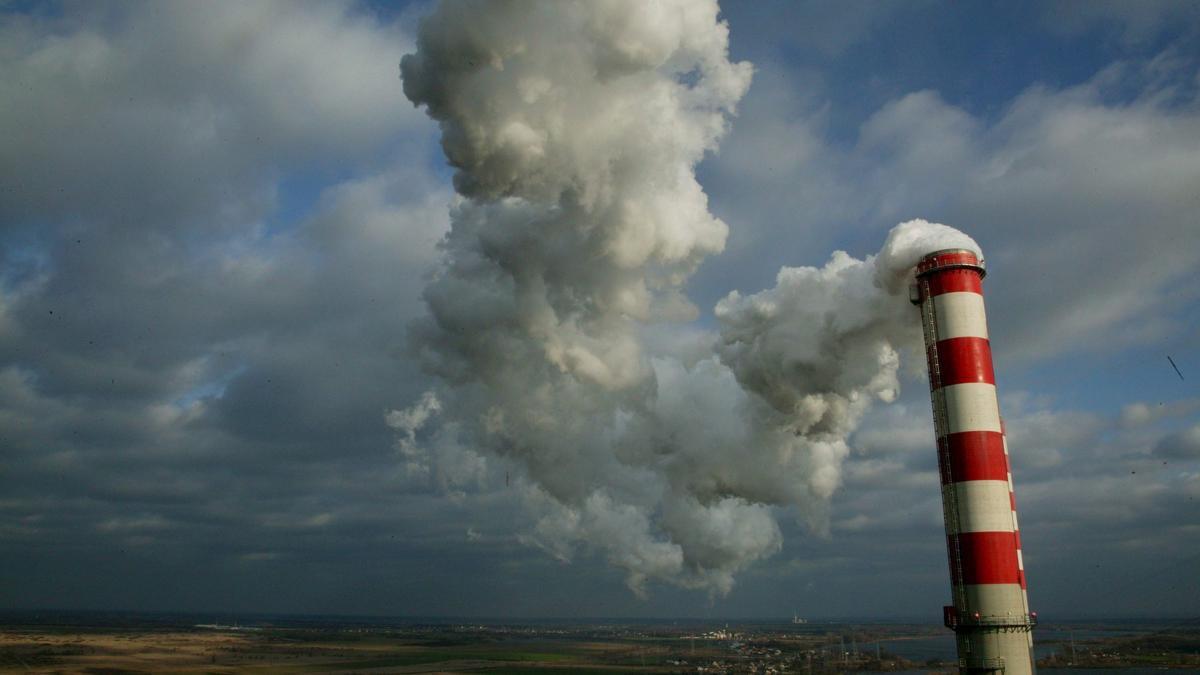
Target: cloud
(136,114)
(1061,184)
(1180,444)
(214,235)
(1088,487)
(1140,413)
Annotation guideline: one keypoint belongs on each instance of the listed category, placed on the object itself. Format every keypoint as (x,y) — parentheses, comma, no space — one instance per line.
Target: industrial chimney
(990,615)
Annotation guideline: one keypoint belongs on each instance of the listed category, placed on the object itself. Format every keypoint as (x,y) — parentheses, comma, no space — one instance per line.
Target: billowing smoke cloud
(574,129)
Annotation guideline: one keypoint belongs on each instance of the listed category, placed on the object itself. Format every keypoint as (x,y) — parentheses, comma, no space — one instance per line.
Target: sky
(219,222)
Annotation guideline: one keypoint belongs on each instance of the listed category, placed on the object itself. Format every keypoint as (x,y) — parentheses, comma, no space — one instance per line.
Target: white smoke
(574,128)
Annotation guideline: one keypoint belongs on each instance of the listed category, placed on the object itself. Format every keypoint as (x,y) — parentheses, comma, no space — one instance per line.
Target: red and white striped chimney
(990,614)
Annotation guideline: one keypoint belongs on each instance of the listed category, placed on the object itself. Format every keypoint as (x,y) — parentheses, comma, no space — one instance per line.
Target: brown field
(41,651)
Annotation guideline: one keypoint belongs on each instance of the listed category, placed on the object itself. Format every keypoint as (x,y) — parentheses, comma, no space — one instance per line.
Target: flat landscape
(214,651)
(97,644)
(167,646)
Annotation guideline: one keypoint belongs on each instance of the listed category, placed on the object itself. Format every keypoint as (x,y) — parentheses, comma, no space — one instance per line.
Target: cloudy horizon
(219,221)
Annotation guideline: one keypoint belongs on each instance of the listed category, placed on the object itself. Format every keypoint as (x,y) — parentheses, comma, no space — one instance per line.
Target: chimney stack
(990,615)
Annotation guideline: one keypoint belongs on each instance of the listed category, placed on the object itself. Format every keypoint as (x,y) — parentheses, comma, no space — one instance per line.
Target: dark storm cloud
(181,377)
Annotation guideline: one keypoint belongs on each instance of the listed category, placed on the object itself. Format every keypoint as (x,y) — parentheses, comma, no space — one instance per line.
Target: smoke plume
(574,129)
